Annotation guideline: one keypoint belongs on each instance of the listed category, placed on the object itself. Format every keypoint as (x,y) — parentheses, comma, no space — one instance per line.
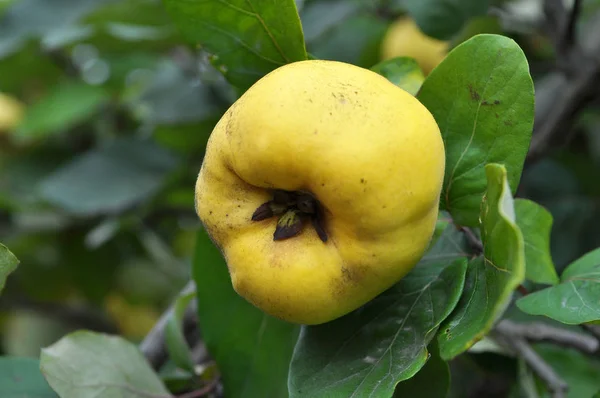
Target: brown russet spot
(486,103)
(508,123)
(363,181)
(474,94)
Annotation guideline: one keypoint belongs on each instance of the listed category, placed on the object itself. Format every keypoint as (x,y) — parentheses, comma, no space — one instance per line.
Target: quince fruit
(11,112)
(321,187)
(404,39)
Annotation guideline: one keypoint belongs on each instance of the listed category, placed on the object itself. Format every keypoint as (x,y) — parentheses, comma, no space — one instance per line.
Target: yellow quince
(404,39)
(11,112)
(321,186)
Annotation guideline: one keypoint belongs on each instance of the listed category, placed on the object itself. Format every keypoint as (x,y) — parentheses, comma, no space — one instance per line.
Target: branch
(474,242)
(153,346)
(521,348)
(561,93)
(568,39)
(538,331)
(594,330)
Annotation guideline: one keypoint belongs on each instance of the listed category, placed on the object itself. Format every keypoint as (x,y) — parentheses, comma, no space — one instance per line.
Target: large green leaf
(485,113)
(535,223)
(443,18)
(404,72)
(252,349)
(21,378)
(248,38)
(64,106)
(354,40)
(575,299)
(89,365)
(109,179)
(370,350)
(432,381)
(491,278)
(320,17)
(8,263)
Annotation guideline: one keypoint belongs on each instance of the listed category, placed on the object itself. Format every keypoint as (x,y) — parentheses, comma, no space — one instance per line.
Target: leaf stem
(153,346)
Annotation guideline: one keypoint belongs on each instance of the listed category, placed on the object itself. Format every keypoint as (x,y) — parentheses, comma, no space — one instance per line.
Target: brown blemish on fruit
(363,181)
(508,123)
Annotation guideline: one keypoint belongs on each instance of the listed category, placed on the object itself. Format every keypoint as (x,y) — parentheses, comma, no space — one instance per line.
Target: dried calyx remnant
(293,209)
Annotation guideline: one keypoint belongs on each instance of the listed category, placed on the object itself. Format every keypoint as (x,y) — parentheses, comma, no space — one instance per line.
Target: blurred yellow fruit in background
(405,39)
(11,112)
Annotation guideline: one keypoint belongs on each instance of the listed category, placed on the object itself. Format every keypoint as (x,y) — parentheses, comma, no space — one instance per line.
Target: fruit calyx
(293,209)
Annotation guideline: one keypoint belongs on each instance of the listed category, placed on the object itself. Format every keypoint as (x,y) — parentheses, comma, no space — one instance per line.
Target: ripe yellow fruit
(11,112)
(405,39)
(358,159)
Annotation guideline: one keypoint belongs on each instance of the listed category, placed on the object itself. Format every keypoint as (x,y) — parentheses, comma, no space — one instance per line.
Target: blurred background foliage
(104,117)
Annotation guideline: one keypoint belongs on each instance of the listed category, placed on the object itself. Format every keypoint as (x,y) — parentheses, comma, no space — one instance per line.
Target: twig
(569,33)
(594,330)
(201,392)
(474,242)
(538,331)
(519,346)
(561,93)
(555,12)
(153,346)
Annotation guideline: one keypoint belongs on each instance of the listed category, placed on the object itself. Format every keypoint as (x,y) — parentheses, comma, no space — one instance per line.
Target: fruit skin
(11,112)
(371,154)
(405,39)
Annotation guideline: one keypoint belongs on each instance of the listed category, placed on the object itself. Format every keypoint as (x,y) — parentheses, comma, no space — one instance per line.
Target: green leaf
(88,365)
(370,350)
(485,113)
(432,381)
(355,40)
(109,179)
(251,348)
(580,372)
(21,378)
(39,18)
(443,18)
(177,346)
(320,17)
(575,299)
(404,72)
(248,39)
(491,278)
(535,223)
(174,97)
(8,263)
(66,105)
